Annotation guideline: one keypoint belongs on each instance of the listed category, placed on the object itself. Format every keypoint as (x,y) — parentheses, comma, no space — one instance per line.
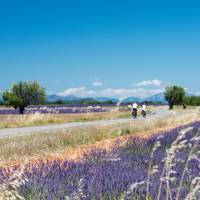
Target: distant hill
(154,98)
(157,98)
(161,97)
(54,98)
(131,100)
(84,100)
(106,99)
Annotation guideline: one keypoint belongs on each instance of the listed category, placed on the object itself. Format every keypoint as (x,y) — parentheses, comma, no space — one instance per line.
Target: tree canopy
(174,95)
(192,100)
(24,94)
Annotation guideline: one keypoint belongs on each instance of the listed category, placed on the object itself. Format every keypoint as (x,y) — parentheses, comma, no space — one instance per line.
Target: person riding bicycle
(144,110)
(134,110)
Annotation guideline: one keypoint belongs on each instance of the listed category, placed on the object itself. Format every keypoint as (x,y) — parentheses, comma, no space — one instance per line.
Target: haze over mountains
(154,98)
(53,98)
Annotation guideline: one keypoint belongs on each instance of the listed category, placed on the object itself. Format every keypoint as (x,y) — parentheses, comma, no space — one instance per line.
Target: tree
(192,100)
(174,95)
(24,94)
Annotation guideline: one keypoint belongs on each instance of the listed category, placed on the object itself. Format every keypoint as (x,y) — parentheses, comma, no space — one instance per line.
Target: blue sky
(94,48)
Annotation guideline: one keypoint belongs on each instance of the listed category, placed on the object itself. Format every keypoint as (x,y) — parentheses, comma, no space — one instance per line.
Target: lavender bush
(165,166)
(54,109)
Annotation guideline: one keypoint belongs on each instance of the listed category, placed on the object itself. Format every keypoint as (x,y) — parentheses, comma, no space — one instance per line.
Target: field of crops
(164,166)
(65,109)
(55,109)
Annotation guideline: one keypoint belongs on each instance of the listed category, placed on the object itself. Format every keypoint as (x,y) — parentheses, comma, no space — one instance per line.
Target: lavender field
(99,100)
(164,166)
(66,109)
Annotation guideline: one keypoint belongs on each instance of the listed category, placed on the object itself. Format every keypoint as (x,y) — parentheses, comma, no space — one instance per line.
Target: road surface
(6,132)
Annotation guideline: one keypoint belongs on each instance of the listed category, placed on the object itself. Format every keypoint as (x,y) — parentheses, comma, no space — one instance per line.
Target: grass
(13,121)
(180,108)
(44,144)
(164,166)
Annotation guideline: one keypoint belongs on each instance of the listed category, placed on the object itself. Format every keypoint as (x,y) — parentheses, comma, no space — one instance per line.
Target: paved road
(158,113)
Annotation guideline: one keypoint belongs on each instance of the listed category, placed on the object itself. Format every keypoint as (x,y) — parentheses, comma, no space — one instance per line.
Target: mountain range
(160,97)
(154,98)
(53,98)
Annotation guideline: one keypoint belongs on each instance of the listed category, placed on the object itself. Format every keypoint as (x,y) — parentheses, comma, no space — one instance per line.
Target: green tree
(192,100)
(174,95)
(24,94)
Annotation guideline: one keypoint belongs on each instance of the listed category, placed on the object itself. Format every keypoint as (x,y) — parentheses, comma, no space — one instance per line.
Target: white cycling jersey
(144,107)
(135,106)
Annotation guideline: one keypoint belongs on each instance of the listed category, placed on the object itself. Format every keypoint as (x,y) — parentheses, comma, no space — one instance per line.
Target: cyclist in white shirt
(134,110)
(144,107)
(135,106)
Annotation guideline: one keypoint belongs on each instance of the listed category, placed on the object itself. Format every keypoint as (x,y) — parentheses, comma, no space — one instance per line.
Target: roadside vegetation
(152,158)
(163,166)
(176,95)
(13,121)
(44,144)
(192,100)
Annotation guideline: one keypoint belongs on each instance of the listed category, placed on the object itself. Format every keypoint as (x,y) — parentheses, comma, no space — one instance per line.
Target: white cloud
(97,83)
(110,92)
(148,83)
(123,92)
(80,92)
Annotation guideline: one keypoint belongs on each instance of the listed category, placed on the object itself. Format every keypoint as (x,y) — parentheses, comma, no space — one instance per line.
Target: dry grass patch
(12,121)
(45,144)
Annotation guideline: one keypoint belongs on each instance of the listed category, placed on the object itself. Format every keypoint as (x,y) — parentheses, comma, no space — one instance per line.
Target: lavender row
(55,110)
(140,170)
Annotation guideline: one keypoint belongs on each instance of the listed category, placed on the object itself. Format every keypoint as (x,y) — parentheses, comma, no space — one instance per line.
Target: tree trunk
(21,110)
(171,106)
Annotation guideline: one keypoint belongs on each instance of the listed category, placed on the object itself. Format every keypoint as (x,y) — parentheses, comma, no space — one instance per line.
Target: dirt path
(75,153)
(158,112)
